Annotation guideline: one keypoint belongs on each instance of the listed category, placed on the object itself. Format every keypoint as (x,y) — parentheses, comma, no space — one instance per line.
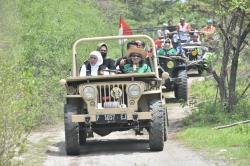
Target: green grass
(35,154)
(231,144)
(35,51)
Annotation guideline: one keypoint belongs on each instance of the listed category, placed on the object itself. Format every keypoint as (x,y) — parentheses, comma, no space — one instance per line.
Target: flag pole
(122,49)
(122,41)
(124,29)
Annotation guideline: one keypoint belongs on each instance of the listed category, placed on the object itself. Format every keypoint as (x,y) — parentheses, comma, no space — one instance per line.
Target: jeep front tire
(180,88)
(71,130)
(156,129)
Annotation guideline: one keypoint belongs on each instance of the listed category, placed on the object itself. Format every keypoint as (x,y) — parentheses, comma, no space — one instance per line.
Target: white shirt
(94,70)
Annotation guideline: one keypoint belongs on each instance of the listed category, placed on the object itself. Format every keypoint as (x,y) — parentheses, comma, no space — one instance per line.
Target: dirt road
(123,148)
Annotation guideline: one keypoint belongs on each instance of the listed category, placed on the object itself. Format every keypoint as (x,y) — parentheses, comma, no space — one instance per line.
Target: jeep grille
(112,95)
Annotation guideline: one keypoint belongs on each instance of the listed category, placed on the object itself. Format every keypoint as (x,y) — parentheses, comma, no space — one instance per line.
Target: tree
(234,26)
(233,17)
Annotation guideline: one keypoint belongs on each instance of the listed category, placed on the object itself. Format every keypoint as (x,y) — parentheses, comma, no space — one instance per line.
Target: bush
(209,111)
(35,51)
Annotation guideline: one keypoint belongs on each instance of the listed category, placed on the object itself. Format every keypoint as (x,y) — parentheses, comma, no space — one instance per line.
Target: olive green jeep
(116,102)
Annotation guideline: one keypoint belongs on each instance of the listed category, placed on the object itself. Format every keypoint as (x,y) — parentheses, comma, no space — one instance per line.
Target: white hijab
(95,67)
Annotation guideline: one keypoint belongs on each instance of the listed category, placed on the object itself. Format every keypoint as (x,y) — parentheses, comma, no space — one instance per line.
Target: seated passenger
(93,65)
(209,30)
(167,49)
(179,49)
(136,62)
(195,39)
(122,61)
(140,44)
(107,62)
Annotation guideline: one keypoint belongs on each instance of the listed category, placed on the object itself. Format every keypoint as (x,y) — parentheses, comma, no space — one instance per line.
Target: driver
(136,63)
(166,49)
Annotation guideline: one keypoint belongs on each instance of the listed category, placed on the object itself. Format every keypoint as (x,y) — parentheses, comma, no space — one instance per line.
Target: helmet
(210,21)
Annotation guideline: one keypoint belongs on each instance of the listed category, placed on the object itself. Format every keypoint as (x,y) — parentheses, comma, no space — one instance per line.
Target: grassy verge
(36,153)
(35,52)
(231,144)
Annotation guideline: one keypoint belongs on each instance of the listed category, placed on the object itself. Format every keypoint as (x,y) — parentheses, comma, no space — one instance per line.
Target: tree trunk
(223,72)
(232,83)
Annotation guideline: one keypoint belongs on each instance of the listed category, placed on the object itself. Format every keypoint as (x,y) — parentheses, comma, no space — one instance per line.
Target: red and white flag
(124,29)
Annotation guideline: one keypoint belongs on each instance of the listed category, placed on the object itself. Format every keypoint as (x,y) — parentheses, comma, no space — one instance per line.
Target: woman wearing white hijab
(92,66)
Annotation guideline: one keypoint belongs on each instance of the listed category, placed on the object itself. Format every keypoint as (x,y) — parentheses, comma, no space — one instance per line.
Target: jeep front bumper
(87,118)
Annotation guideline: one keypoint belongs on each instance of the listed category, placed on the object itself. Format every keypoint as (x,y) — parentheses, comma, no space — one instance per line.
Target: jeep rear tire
(180,88)
(156,129)
(71,130)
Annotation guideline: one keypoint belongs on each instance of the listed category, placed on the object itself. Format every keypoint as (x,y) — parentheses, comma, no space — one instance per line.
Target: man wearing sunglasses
(136,62)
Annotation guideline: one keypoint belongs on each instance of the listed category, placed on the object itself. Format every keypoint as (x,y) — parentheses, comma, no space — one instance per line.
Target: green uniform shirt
(128,68)
(162,52)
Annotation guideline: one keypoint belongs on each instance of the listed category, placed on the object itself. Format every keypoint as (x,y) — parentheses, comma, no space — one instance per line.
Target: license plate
(111,118)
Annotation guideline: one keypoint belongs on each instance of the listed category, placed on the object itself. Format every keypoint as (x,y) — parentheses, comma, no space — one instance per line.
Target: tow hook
(136,124)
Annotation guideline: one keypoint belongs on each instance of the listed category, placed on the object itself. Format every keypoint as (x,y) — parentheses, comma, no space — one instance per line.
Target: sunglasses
(135,56)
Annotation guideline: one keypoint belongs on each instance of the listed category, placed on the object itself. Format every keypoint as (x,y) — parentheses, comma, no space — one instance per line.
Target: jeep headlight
(194,52)
(134,90)
(89,93)
(170,64)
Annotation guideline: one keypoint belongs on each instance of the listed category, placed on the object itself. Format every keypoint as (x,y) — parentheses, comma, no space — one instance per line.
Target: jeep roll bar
(74,65)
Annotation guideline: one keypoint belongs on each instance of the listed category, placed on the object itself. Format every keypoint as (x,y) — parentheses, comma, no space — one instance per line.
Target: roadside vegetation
(35,51)
(231,144)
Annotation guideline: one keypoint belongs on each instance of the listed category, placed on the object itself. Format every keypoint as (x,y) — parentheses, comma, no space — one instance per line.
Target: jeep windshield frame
(75,73)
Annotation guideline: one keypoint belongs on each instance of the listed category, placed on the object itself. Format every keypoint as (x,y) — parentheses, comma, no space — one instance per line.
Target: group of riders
(133,62)
(168,43)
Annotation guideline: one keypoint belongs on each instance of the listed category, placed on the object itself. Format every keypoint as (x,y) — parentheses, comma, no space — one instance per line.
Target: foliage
(209,111)
(35,51)
(152,13)
(234,27)
(232,144)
